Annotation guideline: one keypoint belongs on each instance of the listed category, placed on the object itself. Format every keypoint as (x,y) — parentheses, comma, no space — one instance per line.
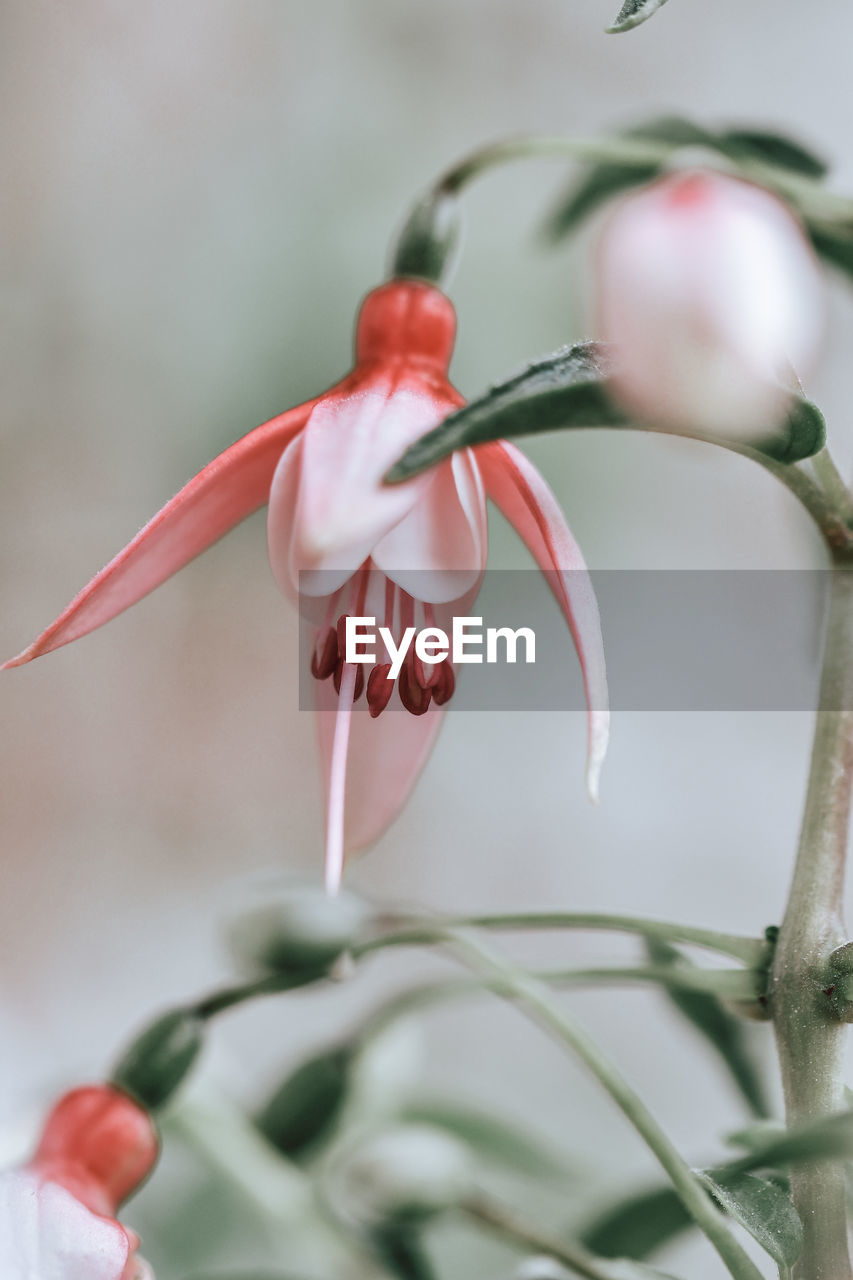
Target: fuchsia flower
(57,1213)
(349,544)
(712,294)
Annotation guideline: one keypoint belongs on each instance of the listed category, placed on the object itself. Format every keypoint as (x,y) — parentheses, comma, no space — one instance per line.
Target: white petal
(46,1234)
(329,521)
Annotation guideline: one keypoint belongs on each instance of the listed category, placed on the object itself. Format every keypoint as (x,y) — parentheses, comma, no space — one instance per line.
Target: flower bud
(57,1212)
(105,1138)
(712,296)
(541,1268)
(413,1171)
(303,930)
(304,1110)
(157,1062)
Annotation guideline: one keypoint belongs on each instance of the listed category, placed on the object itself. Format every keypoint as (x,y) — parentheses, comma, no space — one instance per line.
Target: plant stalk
(810,1038)
(537,1003)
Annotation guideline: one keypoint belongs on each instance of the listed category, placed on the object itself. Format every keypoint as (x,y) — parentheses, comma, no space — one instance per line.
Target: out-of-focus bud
(57,1213)
(712,296)
(157,1062)
(303,1112)
(303,929)
(543,1268)
(411,1172)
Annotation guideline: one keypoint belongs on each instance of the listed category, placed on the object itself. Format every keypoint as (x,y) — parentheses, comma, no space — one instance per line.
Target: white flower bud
(297,929)
(413,1170)
(712,296)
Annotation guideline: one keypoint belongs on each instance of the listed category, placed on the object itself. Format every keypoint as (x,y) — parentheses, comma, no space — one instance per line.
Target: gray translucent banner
(697,640)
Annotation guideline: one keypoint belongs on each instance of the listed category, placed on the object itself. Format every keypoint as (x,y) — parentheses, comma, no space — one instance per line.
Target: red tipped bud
(97,1138)
(711,294)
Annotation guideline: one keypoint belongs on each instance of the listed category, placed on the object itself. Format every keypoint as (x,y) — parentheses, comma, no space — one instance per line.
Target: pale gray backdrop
(194,198)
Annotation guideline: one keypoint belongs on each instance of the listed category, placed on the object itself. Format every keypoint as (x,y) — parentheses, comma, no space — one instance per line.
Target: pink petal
(227,490)
(521,494)
(438,551)
(343,508)
(384,759)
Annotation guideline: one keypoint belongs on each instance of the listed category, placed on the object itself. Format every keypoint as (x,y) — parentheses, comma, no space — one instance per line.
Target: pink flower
(343,540)
(712,295)
(57,1213)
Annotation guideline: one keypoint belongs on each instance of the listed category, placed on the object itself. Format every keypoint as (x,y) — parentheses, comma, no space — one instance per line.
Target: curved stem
(829,510)
(809,1037)
(751,951)
(808,195)
(509,1223)
(832,481)
(534,999)
(424,245)
(728,984)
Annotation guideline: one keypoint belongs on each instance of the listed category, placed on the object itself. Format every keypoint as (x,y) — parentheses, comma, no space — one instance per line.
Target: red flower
(57,1213)
(337,533)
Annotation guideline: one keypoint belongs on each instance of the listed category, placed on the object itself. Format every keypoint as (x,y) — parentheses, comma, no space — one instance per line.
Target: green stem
(273,984)
(751,951)
(833,483)
(425,243)
(810,197)
(728,984)
(535,1000)
(509,1224)
(810,1038)
(826,506)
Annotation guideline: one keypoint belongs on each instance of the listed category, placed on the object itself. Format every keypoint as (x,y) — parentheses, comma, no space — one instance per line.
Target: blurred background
(195,198)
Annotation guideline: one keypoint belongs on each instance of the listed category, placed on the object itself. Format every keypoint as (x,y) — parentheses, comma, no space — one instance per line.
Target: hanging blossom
(57,1213)
(712,296)
(341,542)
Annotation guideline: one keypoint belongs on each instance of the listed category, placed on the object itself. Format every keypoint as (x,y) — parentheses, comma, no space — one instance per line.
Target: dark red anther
(432,675)
(379,688)
(342,635)
(359,680)
(446,685)
(420,671)
(324,659)
(414,697)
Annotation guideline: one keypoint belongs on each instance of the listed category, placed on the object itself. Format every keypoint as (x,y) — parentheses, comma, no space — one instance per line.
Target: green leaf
(598,184)
(835,247)
(755,1136)
(762,1208)
(601,182)
(773,148)
(305,1109)
(489,1137)
(632,13)
(398,1246)
(713,1021)
(159,1060)
(638,1225)
(828,1139)
(563,390)
(566,391)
